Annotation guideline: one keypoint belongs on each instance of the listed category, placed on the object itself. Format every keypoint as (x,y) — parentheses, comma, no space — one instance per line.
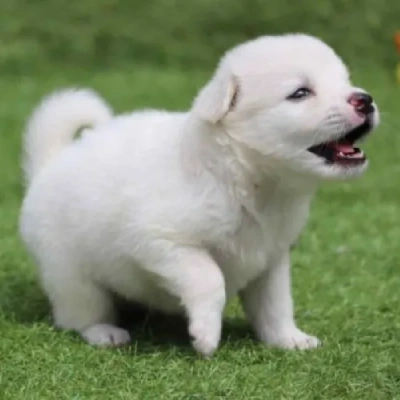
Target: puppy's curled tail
(55,122)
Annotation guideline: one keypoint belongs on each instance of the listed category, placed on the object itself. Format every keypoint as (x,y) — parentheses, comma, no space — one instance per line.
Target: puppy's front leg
(193,276)
(267,302)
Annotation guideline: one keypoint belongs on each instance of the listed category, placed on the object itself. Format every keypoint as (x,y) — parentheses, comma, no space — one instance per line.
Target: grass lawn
(345,275)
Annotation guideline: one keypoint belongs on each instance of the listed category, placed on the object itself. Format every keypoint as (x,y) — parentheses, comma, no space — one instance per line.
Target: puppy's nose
(362,102)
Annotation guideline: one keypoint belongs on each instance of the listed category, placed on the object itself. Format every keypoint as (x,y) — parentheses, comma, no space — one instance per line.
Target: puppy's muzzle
(362,103)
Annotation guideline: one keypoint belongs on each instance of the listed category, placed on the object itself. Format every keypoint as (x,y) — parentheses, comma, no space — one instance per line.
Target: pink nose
(362,102)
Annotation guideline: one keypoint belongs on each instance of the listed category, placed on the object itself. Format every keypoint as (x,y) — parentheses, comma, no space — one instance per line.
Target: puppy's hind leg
(80,304)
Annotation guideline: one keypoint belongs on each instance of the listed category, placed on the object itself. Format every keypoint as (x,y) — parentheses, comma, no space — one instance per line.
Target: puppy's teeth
(358,155)
(341,154)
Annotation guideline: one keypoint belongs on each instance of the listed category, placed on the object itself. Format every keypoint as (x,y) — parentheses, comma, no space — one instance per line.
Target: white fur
(183,211)
(40,141)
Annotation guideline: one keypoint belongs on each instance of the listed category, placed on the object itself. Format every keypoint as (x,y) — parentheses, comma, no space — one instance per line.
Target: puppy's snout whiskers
(331,127)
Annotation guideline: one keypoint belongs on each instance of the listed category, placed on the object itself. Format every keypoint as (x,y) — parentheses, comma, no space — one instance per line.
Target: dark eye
(299,94)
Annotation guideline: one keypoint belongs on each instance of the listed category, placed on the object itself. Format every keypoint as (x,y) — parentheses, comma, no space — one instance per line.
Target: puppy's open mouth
(342,151)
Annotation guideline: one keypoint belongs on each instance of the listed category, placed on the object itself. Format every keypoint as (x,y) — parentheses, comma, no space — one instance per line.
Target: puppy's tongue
(343,147)
(344,152)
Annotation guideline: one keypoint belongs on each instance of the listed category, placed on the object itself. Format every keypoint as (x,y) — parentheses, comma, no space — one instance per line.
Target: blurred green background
(98,33)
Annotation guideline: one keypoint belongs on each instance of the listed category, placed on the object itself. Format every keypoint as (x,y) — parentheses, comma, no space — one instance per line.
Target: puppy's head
(289,100)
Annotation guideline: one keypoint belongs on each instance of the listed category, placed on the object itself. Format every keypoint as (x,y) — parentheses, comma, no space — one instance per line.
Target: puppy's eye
(300,94)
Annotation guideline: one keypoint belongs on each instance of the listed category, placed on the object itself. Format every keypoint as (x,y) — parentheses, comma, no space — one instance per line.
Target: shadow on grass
(154,331)
(23,302)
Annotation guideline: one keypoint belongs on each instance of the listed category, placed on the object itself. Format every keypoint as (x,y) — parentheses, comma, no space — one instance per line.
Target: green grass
(191,33)
(345,276)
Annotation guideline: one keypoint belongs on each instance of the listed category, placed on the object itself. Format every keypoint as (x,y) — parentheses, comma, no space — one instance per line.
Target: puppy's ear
(217,98)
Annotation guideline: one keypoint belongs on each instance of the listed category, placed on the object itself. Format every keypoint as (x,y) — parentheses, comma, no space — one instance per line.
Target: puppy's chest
(258,242)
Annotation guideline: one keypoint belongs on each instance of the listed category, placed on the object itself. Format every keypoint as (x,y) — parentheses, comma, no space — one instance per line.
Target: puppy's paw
(205,338)
(292,338)
(104,335)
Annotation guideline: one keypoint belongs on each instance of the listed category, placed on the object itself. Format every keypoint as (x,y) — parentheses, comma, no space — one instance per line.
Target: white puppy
(182,211)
